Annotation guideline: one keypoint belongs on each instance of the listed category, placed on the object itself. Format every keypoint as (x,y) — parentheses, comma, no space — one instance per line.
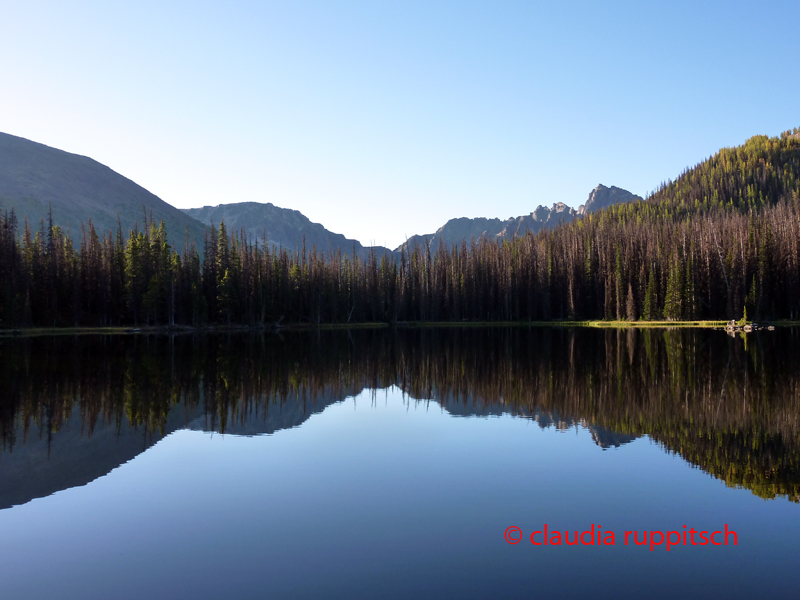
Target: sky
(382,120)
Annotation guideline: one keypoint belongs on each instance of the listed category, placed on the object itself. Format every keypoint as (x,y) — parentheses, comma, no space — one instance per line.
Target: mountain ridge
(287,228)
(281,228)
(465,228)
(35,177)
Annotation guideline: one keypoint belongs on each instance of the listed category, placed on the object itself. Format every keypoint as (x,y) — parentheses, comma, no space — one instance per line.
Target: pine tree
(673,307)
(618,285)
(650,300)
(690,292)
(631,304)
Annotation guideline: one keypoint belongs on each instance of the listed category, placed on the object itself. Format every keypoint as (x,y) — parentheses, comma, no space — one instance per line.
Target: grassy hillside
(34,176)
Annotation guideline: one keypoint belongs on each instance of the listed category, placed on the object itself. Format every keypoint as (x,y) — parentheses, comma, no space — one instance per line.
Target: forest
(718,242)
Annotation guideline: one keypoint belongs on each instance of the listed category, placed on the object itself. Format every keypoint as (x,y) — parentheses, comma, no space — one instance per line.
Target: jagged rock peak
(602,197)
(462,229)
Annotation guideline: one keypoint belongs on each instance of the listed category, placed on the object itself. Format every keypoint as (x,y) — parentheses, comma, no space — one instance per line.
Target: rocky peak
(541,213)
(602,197)
(456,230)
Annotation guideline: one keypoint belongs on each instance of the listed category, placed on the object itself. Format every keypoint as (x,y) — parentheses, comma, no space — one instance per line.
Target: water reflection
(72,409)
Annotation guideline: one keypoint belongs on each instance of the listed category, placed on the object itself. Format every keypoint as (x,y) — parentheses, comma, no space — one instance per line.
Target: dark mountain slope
(43,465)
(34,176)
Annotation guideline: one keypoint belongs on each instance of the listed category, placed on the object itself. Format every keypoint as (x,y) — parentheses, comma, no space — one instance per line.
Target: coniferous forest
(719,241)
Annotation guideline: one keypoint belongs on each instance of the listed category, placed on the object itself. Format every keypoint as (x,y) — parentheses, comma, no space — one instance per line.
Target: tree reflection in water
(728,406)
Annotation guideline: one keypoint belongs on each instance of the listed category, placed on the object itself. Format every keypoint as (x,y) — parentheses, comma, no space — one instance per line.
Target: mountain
(79,453)
(280,227)
(456,230)
(602,197)
(283,227)
(34,176)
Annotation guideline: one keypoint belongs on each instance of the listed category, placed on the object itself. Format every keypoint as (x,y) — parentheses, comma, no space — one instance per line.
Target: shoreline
(185,329)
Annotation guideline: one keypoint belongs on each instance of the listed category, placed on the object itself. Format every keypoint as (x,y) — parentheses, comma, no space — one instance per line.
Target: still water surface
(370,464)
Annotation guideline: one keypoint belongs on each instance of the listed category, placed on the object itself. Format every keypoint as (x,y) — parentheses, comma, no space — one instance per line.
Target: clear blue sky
(381,120)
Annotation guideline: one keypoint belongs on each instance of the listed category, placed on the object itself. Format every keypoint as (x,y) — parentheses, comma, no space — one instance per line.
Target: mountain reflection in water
(74,408)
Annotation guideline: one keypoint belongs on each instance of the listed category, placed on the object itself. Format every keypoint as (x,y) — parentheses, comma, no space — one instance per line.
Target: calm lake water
(380,464)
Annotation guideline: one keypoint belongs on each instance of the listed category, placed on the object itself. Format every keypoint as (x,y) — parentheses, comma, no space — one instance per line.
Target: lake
(397,463)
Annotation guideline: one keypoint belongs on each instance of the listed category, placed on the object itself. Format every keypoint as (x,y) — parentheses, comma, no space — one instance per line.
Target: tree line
(720,240)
